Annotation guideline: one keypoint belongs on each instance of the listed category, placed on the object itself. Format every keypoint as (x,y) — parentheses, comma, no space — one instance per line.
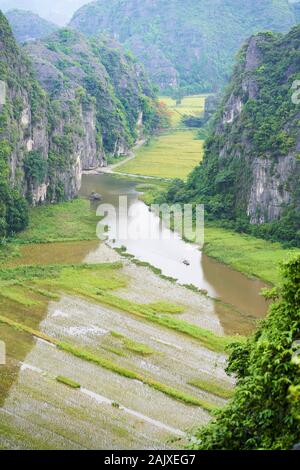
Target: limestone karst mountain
(64,109)
(251,170)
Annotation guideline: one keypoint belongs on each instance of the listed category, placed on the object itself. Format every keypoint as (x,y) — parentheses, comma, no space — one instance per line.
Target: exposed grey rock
(95,197)
(265,183)
(65,127)
(269,191)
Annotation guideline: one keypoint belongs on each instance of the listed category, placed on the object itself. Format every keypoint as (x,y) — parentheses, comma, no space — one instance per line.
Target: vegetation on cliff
(99,73)
(249,179)
(264,412)
(18,87)
(67,107)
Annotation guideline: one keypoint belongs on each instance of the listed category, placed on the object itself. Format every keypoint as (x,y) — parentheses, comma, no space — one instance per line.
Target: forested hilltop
(250,176)
(28,26)
(186,44)
(67,109)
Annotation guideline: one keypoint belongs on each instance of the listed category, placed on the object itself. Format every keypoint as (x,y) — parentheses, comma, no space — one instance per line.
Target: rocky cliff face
(269,148)
(270,193)
(23,127)
(50,142)
(63,110)
(250,176)
(188,44)
(99,74)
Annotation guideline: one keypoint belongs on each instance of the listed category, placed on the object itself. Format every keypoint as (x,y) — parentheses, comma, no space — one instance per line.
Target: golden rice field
(190,105)
(175,154)
(168,156)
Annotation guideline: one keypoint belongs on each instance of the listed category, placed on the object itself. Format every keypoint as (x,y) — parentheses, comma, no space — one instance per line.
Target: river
(168,252)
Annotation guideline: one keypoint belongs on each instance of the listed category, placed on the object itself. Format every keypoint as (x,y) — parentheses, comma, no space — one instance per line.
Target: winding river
(33,398)
(168,252)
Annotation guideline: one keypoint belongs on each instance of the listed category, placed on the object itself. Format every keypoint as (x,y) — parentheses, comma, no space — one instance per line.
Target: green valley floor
(175,152)
(102,352)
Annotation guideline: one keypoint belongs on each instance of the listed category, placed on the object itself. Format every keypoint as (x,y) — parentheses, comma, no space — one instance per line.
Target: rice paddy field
(172,155)
(97,344)
(190,105)
(176,152)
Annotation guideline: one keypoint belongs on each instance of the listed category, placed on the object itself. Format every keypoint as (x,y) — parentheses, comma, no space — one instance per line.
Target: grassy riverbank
(71,221)
(252,256)
(66,221)
(63,222)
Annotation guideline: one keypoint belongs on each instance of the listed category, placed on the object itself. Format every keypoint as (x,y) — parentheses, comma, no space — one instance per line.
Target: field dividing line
(107,401)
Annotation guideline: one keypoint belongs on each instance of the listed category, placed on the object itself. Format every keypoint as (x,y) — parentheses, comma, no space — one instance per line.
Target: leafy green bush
(265,410)
(35,166)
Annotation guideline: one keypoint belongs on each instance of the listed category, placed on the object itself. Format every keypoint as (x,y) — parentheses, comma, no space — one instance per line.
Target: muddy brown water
(52,253)
(239,292)
(168,251)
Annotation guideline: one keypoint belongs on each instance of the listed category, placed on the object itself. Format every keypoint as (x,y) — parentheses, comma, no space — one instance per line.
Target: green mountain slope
(66,61)
(188,44)
(65,108)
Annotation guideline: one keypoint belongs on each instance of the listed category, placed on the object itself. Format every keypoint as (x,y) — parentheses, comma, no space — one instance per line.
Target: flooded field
(102,353)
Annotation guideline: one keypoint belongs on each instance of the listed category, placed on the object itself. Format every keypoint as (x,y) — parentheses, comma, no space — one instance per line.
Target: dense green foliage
(264,134)
(35,166)
(27,26)
(13,207)
(265,410)
(128,78)
(184,44)
(16,76)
